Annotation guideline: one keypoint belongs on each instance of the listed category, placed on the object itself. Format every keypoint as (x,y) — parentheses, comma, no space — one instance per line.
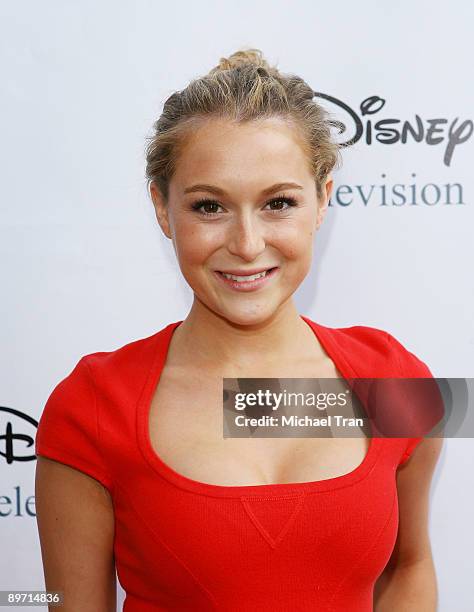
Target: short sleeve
(68,430)
(411,366)
(412,443)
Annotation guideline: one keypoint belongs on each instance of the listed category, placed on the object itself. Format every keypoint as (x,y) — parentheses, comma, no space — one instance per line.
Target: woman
(136,475)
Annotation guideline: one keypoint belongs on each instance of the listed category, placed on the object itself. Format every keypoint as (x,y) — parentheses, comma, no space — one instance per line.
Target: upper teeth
(244,278)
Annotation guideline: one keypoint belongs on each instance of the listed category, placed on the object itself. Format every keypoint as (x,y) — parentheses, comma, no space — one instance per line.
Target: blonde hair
(242,87)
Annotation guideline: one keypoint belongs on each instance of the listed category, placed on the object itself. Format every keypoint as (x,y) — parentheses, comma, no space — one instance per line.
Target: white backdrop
(86,268)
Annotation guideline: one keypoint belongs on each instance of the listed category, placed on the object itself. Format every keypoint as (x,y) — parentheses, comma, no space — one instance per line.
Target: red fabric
(185,545)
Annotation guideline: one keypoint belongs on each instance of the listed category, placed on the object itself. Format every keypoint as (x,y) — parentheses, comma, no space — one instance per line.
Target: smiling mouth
(246,278)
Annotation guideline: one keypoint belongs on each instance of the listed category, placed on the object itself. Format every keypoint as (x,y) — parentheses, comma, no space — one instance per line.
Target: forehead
(253,152)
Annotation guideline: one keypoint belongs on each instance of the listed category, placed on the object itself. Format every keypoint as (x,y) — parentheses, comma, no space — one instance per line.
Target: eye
(206,203)
(286,199)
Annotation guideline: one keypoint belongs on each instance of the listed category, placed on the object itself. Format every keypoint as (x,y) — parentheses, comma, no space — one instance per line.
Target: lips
(245,272)
(260,282)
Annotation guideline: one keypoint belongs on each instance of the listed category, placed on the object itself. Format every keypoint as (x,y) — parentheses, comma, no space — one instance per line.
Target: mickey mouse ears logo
(364,125)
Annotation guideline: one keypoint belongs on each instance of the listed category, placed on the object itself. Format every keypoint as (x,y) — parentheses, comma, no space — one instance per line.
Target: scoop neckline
(270,490)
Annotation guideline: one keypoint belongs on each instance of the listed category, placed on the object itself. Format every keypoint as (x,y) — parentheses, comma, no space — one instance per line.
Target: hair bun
(244,57)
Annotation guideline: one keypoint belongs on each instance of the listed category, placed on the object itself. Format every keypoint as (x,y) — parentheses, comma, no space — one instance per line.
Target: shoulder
(121,367)
(130,361)
(95,395)
(398,353)
(125,358)
(376,351)
(103,378)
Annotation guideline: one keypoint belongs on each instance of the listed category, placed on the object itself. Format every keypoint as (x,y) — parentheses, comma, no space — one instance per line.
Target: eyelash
(201,202)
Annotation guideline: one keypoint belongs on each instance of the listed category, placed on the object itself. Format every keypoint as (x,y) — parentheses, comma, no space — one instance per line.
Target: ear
(324,202)
(161,209)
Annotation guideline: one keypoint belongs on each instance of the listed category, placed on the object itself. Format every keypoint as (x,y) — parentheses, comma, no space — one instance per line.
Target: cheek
(194,243)
(294,240)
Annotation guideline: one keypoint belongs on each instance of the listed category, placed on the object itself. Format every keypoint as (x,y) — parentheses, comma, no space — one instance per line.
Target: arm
(408,582)
(76,529)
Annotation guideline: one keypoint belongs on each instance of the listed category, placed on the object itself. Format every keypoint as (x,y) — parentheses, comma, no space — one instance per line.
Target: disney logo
(432,131)
(17,420)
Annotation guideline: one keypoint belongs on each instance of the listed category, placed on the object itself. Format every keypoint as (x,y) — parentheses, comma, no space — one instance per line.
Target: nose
(246,238)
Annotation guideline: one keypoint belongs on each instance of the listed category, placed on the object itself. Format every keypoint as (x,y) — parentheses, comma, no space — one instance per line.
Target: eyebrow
(219,191)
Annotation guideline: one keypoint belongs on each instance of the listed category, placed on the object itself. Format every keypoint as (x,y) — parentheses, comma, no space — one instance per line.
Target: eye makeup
(199,205)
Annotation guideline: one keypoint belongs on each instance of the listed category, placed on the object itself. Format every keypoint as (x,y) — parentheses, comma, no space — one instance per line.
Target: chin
(248,316)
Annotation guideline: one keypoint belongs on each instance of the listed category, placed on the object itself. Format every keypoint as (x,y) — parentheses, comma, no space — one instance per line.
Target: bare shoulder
(75,519)
(414,480)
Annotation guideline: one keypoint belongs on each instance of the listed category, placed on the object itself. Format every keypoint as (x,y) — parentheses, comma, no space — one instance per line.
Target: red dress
(185,545)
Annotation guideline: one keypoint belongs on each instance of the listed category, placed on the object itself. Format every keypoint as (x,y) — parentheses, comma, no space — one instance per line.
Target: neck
(207,339)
